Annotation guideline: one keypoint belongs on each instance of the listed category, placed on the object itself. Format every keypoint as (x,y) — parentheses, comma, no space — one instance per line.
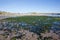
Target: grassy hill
(30,19)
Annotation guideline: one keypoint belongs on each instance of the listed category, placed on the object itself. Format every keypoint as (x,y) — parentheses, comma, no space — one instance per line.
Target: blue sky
(23,6)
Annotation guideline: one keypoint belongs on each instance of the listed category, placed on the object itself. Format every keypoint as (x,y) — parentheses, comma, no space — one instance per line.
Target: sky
(24,6)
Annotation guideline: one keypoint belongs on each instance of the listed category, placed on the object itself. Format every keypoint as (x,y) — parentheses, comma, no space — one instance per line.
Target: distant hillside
(4,14)
(1,12)
(7,14)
